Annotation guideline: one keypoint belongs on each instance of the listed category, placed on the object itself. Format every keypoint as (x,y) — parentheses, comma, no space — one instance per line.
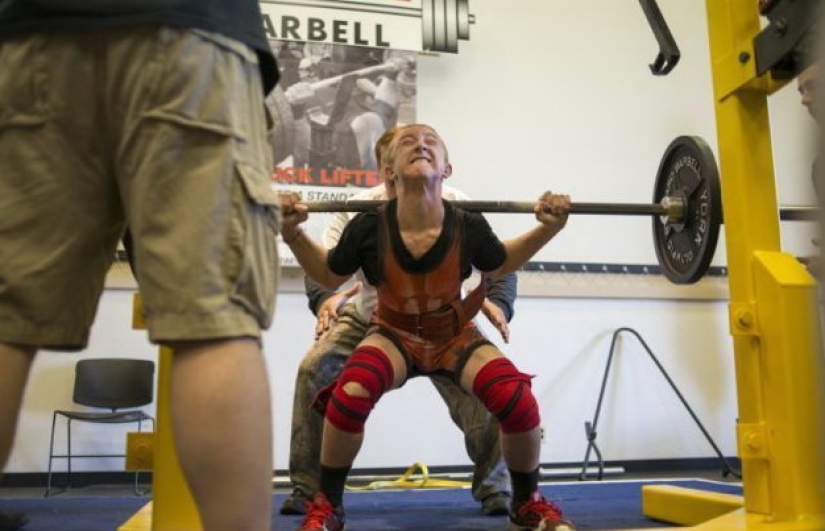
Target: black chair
(116,384)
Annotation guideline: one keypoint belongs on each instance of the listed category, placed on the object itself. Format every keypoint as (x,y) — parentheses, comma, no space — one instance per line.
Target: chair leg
(69,454)
(51,457)
(68,485)
(138,491)
(137,472)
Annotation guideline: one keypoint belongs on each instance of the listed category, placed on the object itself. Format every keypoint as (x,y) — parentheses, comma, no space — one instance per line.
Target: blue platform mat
(590,505)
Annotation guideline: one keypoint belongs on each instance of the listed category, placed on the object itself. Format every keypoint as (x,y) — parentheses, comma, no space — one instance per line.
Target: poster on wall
(334,102)
(435,26)
(348,73)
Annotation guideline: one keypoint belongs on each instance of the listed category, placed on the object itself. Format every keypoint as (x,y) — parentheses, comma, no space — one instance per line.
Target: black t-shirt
(358,245)
(237,19)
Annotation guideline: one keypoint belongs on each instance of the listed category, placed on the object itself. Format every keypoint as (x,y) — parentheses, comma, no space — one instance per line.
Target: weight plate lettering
(688,170)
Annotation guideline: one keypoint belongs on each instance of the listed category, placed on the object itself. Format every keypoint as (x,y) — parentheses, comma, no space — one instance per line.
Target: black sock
(524,485)
(332,483)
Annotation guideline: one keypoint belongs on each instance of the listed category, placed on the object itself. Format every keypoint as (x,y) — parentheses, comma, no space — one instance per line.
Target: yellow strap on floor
(406,481)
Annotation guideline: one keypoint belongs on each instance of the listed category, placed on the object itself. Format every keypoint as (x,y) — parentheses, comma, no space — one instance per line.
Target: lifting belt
(438,325)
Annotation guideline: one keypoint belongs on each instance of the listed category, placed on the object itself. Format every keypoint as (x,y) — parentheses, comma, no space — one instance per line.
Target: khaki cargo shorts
(162,129)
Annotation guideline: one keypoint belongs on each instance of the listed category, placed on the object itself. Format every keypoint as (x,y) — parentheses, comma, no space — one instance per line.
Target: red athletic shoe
(538,514)
(322,516)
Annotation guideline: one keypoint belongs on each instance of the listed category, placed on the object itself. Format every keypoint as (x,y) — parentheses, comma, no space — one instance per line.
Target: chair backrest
(114,383)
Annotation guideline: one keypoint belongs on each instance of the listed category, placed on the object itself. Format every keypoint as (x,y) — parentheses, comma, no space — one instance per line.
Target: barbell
(671,209)
(799,213)
(687,209)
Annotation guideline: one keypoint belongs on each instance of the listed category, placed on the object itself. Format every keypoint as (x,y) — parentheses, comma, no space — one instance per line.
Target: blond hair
(382,145)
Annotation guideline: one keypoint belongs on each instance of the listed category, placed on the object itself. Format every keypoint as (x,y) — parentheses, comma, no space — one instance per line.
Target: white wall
(563,341)
(545,95)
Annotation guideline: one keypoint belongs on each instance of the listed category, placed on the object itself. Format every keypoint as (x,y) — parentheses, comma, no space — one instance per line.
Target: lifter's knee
(506,393)
(367,375)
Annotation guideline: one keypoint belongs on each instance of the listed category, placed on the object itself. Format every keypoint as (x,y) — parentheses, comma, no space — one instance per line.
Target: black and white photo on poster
(334,102)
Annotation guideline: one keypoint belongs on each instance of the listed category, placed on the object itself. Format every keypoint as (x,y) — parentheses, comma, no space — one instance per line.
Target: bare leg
(222,419)
(521,450)
(340,448)
(15,364)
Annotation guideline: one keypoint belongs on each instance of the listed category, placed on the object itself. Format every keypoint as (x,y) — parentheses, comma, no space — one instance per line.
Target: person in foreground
(342,322)
(149,114)
(416,250)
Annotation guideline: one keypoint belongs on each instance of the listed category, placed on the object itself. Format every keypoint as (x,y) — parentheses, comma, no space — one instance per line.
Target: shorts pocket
(254,267)
(23,94)
(202,81)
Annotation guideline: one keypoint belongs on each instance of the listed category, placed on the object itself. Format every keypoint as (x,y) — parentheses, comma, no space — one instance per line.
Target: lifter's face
(417,150)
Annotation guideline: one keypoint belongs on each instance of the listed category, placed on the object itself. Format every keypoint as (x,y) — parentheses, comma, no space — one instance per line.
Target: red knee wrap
(370,368)
(506,393)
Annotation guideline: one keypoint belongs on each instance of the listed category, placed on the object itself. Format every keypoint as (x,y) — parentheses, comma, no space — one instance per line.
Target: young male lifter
(417,250)
(343,320)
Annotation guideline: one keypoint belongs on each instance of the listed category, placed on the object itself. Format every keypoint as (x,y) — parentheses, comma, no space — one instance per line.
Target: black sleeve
(502,292)
(485,250)
(316,294)
(357,248)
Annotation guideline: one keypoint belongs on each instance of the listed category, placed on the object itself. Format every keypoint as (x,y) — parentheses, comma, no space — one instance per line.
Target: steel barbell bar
(671,209)
(506,207)
(799,213)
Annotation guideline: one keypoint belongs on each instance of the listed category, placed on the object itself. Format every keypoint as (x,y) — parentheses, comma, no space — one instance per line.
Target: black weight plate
(688,170)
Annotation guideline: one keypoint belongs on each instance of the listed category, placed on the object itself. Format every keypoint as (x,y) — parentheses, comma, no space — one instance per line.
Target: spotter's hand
(496,316)
(328,312)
